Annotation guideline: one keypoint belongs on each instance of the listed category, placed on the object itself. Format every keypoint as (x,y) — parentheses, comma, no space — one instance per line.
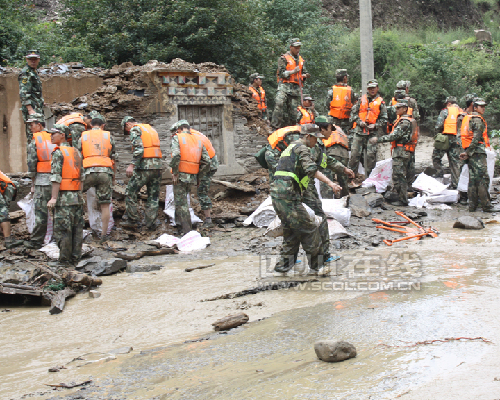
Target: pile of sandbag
(433,192)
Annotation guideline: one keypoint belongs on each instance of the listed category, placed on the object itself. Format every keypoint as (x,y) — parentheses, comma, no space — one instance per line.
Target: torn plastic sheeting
(28,206)
(463,182)
(263,215)
(191,241)
(380,177)
(428,185)
(94,212)
(170,206)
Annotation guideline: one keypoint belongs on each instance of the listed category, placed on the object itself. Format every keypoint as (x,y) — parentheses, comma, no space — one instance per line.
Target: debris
(333,351)
(58,300)
(110,266)
(199,267)
(229,322)
(15,215)
(240,186)
(133,268)
(70,385)
(359,206)
(57,369)
(144,253)
(189,242)
(94,294)
(374,199)
(73,278)
(468,222)
(439,340)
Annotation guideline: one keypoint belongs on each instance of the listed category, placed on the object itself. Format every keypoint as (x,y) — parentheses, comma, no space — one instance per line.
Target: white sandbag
(336,230)
(361,170)
(439,206)
(418,201)
(28,206)
(317,184)
(380,177)
(191,241)
(52,251)
(170,206)
(337,209)
(463,182)
(94,212)
(428,185)
(275,229)
(447,196)
(268,214)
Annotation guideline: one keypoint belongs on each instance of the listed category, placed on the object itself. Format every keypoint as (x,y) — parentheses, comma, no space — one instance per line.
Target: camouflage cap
(322,119)
(295,42)
(95,115)
(372,83)
(125,120)
(479,101)
(256,76)
(308,97)
(402,85)
(35,118)
(32,54)
(341,72)
(402,103)
(470,97)
(399,92)
(178,124)
(311,129)
(451,99)
(62,129)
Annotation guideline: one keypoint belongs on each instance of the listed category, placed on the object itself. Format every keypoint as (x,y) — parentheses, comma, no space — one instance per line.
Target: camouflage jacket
(412,103)
(381,123)
(66,197)
(401,135)
(287,87)
(332,162)
(76,130)
(320,155)
(138,151)
(113,156)
(41,179)
(30,88)
(176,158)
(476,125)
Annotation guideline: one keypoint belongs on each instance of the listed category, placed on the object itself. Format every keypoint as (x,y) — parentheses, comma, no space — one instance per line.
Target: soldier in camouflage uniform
(142,171)
(183,181)
(291,75)
(412,103)
(272,156)
(30,90)
(41,187)
(366,128)
(469,108)
(454,150)
(67,203)
(295,172)
(475,156)
(7,194)
(402,158)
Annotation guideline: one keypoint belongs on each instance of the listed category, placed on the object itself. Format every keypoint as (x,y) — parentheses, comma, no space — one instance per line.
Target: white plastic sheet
(380,177)
(463,181)
(28,206)
(170,206)
(428,185)
(94,212)
(191,241)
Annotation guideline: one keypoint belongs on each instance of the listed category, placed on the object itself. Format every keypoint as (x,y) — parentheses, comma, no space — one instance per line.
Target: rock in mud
(468,222)
(332,351)
(359,206)
(132,268)
(110,266)
(94,294)
(374,199)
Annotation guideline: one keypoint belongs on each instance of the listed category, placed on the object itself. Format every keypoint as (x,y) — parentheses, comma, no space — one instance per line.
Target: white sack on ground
(337,209)
(267,211)
(94,212)
(170,207)
(428,185)
(191,241)
(28,206)
(380,177)
(432,202)
(336,230)
(52,251)
(463,182)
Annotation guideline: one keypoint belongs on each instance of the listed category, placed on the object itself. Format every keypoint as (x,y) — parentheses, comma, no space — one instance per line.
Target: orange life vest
(340,106)
(96,149)
(369,112)
(6,179)
(191,147)
(75,118)
(450,123)
(337,137)
(44,149)
(410,146)
(206,142)
(290,66)
(260,97)
(150,141)
(307,116)
(72,168)
(467,135)
(390,127)
(279,135)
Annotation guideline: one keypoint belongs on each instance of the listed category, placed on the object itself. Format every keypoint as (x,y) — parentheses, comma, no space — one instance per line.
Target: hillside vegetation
(248,36)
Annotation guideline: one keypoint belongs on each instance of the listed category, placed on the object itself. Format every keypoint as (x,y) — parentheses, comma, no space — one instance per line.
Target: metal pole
(366,42)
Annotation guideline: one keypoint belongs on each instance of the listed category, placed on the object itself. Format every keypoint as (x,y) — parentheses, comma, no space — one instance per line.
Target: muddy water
(273,356)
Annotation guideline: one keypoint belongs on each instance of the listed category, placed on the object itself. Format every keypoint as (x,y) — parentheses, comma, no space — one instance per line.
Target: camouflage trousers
(453,154)
(359,144)
(5,200)
(42,197)
(24,111)
(310,197)
(203,188)
(401,176)
(68,232)
(479,182)
(341,178)
(285,110)
(298,228)
(152,179)
(181,191)
(103,183)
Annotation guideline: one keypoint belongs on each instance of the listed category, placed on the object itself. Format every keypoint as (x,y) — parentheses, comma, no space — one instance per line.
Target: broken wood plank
(46,269)
(231,321)
(199,267)
(29,292)
(237,186)
(140,254)
(58,300)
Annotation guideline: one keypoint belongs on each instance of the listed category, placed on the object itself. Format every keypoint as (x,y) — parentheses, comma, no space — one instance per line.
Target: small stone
(375,242)
(94,294)
(333,351)
(468,222)
(132,268)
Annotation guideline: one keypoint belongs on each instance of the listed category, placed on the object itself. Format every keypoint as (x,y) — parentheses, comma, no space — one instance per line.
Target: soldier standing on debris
(473,133)
(369,115)
(66,199)
(339,101)
(39,164)
(336,145)
(189,158)
(30,90)
(404,139)
(291,75)
(295,172)
(99,154)
(259,94)
(306,112)
(145,169)
(7,194)
(445,141)
(76,124)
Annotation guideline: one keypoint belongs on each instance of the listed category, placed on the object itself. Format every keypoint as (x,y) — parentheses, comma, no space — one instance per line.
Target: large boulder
(468,222)
(333,351)
(359,206)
